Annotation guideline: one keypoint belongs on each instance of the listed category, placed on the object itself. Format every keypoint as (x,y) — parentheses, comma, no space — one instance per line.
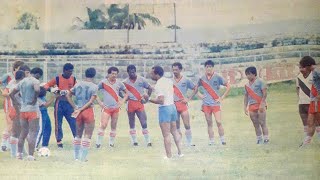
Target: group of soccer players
(27,117)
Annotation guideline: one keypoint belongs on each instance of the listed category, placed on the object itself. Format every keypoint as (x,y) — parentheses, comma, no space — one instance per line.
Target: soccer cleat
(149,145)
(19,156)
(135,144)
(98,146)
(211,143)
(259,141)
(192,145)
(111,145)
(266,141)
(4,148)
(180,155)
(224,143)
(60,146)
(31,158)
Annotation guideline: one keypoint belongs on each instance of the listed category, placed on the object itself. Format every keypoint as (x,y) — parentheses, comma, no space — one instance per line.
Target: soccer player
(136,86)
(62,107)
(110,88)
(29,89)
(181,85)
(13,114)
(255,104)
(85,93)
(4,81)
(45,130)
(303,86)
(314,108)
(211,99)
(167,110)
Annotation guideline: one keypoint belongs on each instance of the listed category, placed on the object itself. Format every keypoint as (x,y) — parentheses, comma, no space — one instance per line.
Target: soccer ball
(44,152)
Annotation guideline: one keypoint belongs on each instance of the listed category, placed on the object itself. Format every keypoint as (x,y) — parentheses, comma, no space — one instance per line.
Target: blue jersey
(183,84)
(139,86)
(83,91)
(214,83)
(257,86)
(27,91)
(111,92)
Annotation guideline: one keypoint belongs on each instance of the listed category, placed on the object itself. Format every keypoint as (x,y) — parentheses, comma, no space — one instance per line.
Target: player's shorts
(133,106)
(254,107)
(111,111)
(86,116)
(29,116)
(181,107)
(210,109)
(12,113)
(304,108)
(168,114)
(314,107)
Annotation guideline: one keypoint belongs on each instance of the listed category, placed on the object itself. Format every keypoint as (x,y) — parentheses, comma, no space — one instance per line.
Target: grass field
(240,159)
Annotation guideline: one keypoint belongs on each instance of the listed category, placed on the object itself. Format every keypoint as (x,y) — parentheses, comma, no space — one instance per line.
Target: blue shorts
(168,113)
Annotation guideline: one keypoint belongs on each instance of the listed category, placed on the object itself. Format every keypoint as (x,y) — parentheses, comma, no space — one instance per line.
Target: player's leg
(165,129)
(32,136)
(58,116)
(6,133)
(178,124)
(303,111)
(113,132)
(208,117)
(68,110)
(186,121)
(133,132)
(173,129)
(217,117)
(86,141)
(40,132)
(77,139)
(263,123)
(15,135)
(254,116)
(142,116)
(23,134)
(46,133)
(317,124)
(311,128)
(105,116)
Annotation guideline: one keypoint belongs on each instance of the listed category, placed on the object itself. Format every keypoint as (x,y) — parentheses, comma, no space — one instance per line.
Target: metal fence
(230,67)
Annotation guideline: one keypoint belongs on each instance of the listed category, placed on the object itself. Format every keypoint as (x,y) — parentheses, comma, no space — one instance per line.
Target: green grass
(240,159)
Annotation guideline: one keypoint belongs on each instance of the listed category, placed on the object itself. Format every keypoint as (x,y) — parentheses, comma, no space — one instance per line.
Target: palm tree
(27,21)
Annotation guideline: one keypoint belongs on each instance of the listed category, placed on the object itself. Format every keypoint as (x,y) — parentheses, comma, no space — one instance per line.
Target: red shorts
(314,107)
(86,116)
(210,109)
(254,107)
(111,111)
(134,106)
(181,107)
(5,104)
(29,116)
(12,113)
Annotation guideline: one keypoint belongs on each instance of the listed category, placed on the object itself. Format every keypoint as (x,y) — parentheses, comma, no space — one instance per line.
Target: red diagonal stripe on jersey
(177,92)
(253,94)
(208,88)
(110,91)
(314,91)
(134,91)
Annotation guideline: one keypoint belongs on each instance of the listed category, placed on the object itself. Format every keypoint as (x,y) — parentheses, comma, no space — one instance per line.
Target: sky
(58,15)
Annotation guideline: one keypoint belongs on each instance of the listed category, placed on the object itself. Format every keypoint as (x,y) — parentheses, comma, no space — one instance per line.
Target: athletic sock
(112,137)
(188,134)
(14,146)
(85,149)
(133,134)
(100,136)
(146,135)
(77,146)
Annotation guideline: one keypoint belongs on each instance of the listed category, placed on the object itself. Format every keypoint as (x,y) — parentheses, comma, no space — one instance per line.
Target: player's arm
(4,92)
(158,100)
(263,100)
(50,101)
(99,102)
(245,103)
(228,88)
(200,95)
(15,102)
(124,99)
(194,92)
(36,94)
(88,104)
(69,98)
(50,84)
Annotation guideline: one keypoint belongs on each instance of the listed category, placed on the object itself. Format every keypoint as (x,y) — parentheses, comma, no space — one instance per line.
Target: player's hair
(24,68)
(158,70)
(19,75)
(17,64)
(179,65)
(112,68)
(209,62)
(36,70)
(90,72)
(43,92)
(131,66)
(307,61)
(251,70)
(67,66)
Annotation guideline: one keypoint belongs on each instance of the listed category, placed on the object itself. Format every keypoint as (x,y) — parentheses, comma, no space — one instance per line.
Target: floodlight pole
(128,23)
(175,23)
